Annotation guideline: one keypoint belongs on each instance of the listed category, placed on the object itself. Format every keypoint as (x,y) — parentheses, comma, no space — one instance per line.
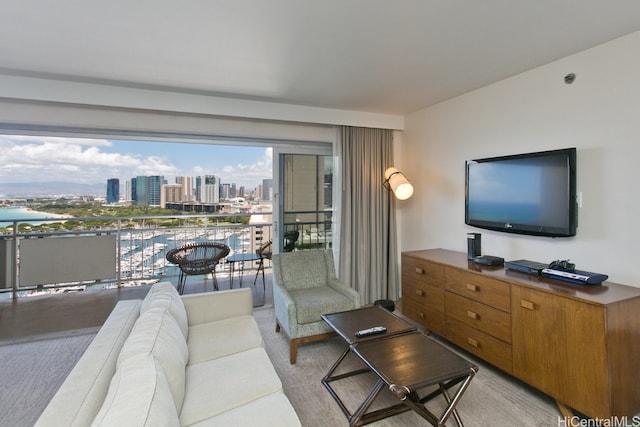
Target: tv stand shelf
(578,344)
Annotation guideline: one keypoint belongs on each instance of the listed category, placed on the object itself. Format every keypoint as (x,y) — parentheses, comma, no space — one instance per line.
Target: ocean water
(22,214)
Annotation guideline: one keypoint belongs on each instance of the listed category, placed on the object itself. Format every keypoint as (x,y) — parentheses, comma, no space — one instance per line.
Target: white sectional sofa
(171,360)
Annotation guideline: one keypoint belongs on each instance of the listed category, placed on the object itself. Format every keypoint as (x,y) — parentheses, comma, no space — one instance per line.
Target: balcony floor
(31,318)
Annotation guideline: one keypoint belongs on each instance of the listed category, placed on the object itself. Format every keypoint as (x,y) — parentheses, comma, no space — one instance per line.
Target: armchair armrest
(345,290)
(212,306)
(285,308)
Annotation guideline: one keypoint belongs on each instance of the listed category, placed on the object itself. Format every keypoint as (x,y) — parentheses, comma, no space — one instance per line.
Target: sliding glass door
(303,192)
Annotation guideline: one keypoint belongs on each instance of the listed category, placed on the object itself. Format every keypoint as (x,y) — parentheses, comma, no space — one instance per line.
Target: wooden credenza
(578,344)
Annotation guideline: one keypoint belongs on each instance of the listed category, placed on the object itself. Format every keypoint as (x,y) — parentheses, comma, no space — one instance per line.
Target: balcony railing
(104,252)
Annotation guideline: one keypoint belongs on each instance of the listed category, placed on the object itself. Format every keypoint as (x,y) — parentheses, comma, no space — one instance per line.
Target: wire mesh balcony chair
(266,250)
(197,259)
(290,238)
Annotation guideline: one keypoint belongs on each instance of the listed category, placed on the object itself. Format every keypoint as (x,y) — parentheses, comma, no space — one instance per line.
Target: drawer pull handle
(472,287)
(472,342)
(472,314)
(420,292)
(419,270)
(526,304)
(421,315)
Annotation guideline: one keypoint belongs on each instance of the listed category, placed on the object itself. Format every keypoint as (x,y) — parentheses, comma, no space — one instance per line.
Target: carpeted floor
(33,370)
(493,399)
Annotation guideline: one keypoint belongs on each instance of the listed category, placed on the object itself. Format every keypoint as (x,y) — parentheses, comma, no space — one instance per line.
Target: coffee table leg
(330,377)
(454,411)
(418,405)
(356,418)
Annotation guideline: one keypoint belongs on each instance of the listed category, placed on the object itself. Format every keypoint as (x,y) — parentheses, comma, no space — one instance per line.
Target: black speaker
(474,245)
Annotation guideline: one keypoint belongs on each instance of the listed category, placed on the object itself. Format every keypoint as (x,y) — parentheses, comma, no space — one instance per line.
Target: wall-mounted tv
(532,193)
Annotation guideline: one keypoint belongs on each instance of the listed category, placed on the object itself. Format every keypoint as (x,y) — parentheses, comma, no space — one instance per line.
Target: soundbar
(577,276)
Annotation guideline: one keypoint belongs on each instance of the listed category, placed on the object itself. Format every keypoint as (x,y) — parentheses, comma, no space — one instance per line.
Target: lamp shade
(398,183)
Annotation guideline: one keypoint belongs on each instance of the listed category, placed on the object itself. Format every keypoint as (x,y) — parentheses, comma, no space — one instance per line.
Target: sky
(93,161)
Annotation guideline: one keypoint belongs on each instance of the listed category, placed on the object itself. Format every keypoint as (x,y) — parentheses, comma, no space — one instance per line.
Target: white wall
(599,114)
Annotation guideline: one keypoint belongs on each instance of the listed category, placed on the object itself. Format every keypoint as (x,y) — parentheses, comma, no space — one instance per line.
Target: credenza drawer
(431,319)
(417,271)
(479,316)
(425,295)
(491,349)
(479,288)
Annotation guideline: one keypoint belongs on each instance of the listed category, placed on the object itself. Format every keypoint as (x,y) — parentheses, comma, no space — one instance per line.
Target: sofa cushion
(156,332)
(138,395)
(310,303)
(221,338)
(273,410)
(225,383)
(164,294)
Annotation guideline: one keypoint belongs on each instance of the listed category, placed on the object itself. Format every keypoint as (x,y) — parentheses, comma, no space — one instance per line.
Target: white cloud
(35,159)
(248,175)
(90,161)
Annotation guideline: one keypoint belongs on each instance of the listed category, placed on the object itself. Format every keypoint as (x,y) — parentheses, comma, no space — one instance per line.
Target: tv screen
(533,193)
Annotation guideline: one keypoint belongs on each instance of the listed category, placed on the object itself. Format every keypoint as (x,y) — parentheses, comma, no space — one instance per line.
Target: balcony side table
(241,259)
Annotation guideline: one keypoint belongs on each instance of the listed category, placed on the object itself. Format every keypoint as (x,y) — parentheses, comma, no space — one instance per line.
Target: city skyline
(94,161)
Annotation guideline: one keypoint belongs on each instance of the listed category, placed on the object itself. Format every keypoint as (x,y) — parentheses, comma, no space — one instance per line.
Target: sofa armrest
(81,395)
(218,305)
(345,290)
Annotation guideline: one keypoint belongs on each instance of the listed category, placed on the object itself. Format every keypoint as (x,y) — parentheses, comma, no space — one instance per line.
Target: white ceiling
(380,56)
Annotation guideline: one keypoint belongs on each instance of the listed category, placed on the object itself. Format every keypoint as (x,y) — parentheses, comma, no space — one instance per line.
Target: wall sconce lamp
(397,182)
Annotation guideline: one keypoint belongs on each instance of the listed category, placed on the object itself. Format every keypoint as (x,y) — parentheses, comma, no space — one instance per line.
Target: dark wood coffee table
(422,363)
(347,323)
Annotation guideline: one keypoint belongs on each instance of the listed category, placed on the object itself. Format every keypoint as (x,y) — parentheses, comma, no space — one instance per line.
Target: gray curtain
(367,260)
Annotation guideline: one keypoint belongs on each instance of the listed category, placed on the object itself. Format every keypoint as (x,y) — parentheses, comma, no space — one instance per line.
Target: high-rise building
(155,187)
(171,193)
(148,190)
(208,189)
(142,190)
(225,191)
(127,190)
(187,184)
(113,190)
(267,189)
(134,191)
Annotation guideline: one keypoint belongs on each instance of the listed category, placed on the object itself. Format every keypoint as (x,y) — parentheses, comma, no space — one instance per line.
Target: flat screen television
(532,193)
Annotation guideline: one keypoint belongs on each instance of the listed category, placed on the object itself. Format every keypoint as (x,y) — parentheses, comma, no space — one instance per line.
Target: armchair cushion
(305,269)
(310,303)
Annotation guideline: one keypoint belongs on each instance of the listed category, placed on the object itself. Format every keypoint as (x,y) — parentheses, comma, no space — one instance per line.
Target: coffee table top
(347,323)
(412,360)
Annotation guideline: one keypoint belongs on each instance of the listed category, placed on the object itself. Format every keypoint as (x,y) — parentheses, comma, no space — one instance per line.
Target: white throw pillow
(164,294)
(156,332)
(138,395)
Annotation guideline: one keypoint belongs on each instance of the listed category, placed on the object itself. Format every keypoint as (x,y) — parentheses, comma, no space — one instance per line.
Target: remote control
(371,331)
